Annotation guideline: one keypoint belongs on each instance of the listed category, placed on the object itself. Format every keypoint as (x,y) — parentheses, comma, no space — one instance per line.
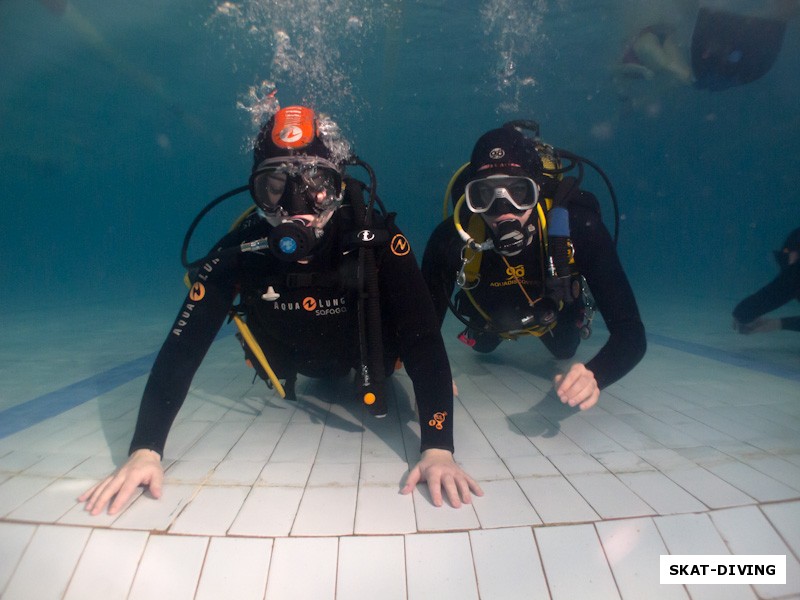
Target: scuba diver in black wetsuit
(784,288)
(521,246)
(731,49)
(326,284)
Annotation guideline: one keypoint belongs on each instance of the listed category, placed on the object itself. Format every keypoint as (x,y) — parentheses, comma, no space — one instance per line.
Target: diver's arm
(192,333)
(198,321)
(775,294)
(438,268)
(597,260)
(407,304)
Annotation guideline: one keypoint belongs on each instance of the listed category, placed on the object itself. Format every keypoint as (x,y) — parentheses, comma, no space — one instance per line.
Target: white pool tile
(707,487)
(383,510)
(235,568)
(660,492)
(696,534)
(17,490)
(331,474)
(608,496)
(785,518)
(633,548)
(371,567)
(53,502)
(775,467)
(531,466)
(258,441)
(17,461)
(507,564)
(286,474)
(236,471)
(149,514)
(170,568)
(216,442)
(46,566)
(280,485)
(211,511)
(666,435)
(56,465)
(107,566)
(577,464)
(504,505)
(326,511)
(14,539)
(618,430)
(752,482)
(546,435)
(574,563)
(339,445)
(441,518)
(267,512)
(624,462)
(425,574)
(556,501)
(291,568)
(506,439)
(299,443)
(588,437)
(390,473)
(747,531)
(196,471)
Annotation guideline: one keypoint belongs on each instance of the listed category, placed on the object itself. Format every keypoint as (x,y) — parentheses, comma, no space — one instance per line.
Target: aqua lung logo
(320,307)
(496,153)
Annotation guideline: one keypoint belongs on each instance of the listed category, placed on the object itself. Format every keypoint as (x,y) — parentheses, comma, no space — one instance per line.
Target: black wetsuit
(784,288)
(500,297)
(311,328)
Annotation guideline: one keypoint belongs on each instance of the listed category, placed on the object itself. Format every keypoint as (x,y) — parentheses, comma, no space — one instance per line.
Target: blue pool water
(118,123)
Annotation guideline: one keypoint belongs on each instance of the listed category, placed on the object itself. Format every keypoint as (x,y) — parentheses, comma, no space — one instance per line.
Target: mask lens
(297,185)
(320,186)
(269,186)
(521,192)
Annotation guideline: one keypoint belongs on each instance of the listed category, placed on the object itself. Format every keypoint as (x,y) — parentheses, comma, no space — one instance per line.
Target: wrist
(145,453)
(437,453)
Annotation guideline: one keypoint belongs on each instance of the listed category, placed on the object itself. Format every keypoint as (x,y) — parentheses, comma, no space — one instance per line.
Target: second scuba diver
(522,245)
(327,284)
(785,287)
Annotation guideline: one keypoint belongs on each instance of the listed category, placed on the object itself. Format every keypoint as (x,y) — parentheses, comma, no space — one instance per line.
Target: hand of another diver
(438,468)
(143,468)
(759,326)
(577,387)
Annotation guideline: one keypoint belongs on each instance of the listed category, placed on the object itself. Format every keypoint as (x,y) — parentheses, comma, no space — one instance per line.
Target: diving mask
(296,185)
(521,192)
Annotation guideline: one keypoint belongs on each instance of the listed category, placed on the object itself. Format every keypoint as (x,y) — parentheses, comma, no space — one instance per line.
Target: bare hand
(577,387)
(758,326)
(143,468)
(438,468)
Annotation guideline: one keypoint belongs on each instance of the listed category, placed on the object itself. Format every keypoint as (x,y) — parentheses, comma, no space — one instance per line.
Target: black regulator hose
(606,180)
(208,208)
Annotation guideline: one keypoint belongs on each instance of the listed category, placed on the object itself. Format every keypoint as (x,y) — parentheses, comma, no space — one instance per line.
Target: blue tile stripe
(54,403)
(724,356)
(49,405)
